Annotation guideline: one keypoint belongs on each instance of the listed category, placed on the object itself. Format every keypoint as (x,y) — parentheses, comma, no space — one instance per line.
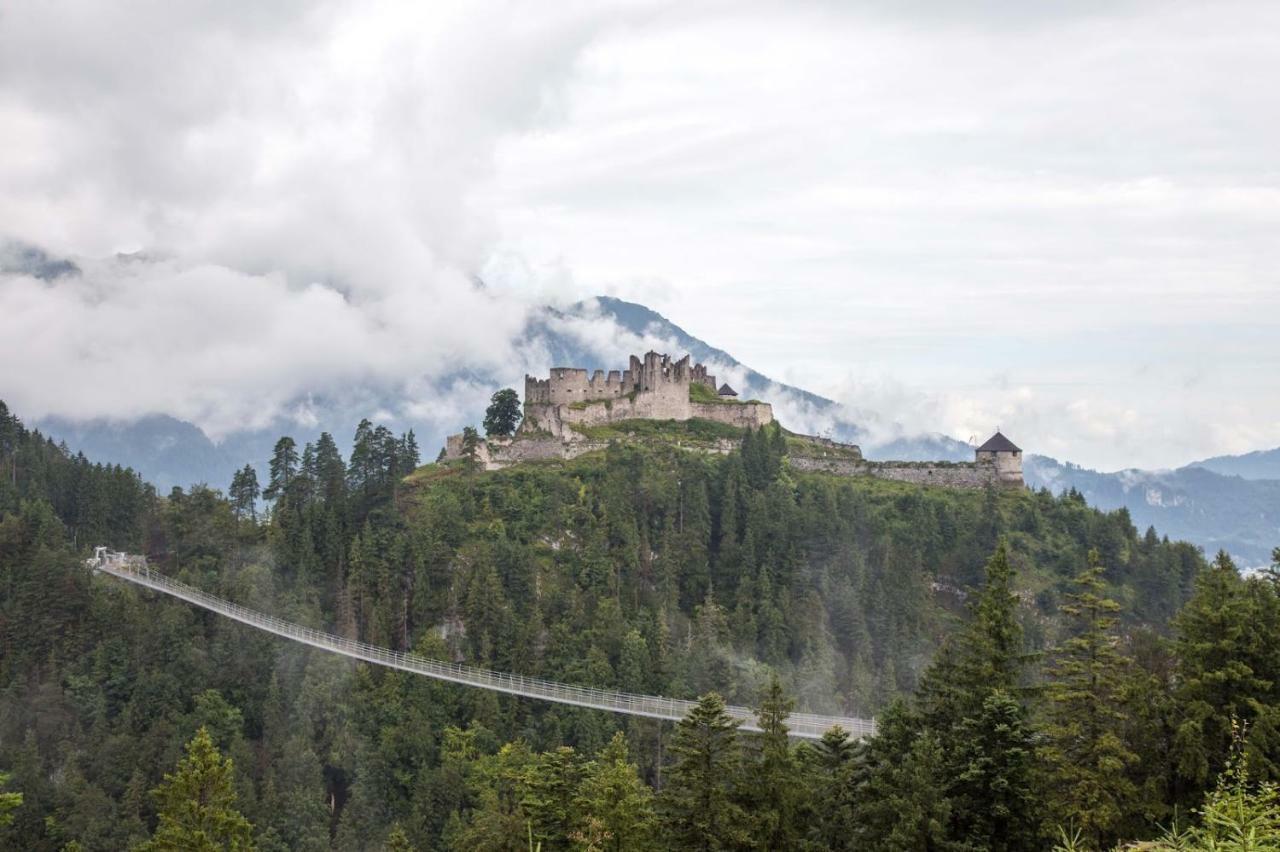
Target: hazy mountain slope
(1197,503)
(1216,512)
(1260,464)
(169,451)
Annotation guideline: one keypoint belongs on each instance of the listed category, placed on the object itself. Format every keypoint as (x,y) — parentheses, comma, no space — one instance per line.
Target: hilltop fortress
(652,388)
(572,412)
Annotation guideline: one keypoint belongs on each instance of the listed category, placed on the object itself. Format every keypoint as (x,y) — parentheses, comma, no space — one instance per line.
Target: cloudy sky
(1064,224)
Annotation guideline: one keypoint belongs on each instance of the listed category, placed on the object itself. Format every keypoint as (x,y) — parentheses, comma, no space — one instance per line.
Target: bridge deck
(805,725)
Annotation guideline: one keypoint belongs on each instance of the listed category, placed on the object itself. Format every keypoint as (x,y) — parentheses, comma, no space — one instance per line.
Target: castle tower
(1004,454)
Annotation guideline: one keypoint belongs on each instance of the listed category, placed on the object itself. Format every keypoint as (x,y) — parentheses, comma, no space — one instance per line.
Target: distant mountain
(1231,502)
(1193,503)
(167,451)
(1260,464)
(24,259)
(643,321)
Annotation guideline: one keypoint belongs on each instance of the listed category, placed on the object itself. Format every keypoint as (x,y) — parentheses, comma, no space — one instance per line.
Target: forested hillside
(644,568)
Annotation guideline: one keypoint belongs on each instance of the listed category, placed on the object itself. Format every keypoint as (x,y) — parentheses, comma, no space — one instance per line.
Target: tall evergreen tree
(1087,759)
(1219,645)
(244,493)
(616,806)
(284,467)
(772,779)
(197,805)
(698,803)
(831,766)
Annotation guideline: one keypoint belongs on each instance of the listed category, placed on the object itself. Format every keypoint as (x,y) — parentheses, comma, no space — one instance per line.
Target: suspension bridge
(134,569)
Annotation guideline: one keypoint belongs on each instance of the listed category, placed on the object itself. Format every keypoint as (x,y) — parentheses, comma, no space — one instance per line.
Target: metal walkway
(135,570)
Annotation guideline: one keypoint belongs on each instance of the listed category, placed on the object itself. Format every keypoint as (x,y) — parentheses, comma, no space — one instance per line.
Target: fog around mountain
(1226,502)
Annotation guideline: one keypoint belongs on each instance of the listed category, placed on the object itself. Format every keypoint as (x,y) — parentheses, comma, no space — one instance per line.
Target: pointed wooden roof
(725,390)
(998,443)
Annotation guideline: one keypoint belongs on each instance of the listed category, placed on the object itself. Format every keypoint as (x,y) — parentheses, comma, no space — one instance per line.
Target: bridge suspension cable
(135,570)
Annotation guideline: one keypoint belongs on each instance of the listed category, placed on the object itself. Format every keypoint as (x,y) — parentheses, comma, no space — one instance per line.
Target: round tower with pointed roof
(1004,455)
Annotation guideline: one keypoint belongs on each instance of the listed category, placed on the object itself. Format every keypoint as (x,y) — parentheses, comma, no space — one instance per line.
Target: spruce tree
(1087,759)
(970,698)
(284,467)
(616,806)
(697,804)
(831,766)
(772,778)
(1218,639)
(548,800)
(197,805)
(244,493)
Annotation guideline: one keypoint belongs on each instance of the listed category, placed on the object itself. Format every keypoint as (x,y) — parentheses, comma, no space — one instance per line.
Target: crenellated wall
(654,387)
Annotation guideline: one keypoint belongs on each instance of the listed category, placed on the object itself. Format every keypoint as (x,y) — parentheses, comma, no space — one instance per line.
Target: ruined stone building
(653,388)
(560,410)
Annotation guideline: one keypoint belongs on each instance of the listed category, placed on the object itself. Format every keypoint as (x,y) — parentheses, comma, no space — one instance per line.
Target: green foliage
(693,431)
(615,805)
(1227,671)
(503,414)
(470,443)
(773,786)
(197,805)
(698,804)
(699,392)
(244,493)
(642,567)
(9,802)
(1087,758)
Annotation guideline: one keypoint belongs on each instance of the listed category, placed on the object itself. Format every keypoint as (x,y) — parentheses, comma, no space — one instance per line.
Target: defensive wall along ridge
(561,410)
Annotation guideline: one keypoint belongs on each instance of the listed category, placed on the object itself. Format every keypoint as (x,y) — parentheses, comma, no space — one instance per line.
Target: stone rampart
(977,474)
(743,415)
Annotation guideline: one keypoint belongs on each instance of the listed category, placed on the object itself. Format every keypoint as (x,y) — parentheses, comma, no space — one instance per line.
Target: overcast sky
(1064,224)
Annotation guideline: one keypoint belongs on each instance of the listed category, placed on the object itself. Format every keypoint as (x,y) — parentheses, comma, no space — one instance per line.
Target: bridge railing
(135,570)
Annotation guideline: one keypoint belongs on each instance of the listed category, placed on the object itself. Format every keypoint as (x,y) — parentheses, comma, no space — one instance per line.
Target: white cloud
(1062,222)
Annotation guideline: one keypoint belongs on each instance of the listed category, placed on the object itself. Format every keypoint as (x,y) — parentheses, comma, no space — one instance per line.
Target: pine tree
(772,781)
(1218,639)
(284,467)
(902,803)
(197,805)
(831,765)
(470,444)
(244,493)
(1087,758)
(616,806)
(969,700)
(548,800)
(992,765)
(697,803)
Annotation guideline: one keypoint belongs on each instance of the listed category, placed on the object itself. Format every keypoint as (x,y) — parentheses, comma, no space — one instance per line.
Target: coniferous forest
(1043,675)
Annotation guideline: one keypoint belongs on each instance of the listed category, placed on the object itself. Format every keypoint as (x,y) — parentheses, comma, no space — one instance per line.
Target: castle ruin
(655,387)
(560,410)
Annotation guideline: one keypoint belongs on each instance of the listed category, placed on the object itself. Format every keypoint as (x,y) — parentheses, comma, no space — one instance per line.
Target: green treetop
(1086,756)
(503,414)
(197,805)
(698,802)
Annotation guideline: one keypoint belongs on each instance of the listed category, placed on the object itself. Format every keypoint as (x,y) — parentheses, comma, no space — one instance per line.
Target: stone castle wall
(976,474)
(655,373)
(651,388)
